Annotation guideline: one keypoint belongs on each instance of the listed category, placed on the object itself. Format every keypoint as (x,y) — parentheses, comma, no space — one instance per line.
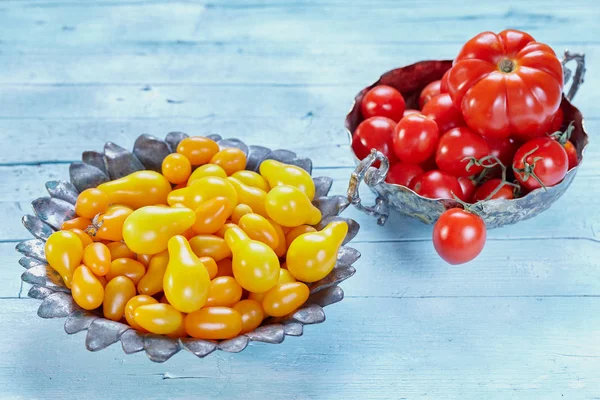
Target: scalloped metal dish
(148,153)
(410,80)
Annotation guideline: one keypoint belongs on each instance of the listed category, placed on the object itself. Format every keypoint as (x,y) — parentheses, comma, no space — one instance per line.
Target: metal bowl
(410,81)
(148,153)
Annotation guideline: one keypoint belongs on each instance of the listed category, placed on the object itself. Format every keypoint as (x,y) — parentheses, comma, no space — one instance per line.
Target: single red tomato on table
(437,185)
(383,101)
(454,149)
(505,190)
(373,133)
(540,162)
(415,138)
(506,84)
(432,89)
(459,236)
(441,109)
(468,189)
(403,174)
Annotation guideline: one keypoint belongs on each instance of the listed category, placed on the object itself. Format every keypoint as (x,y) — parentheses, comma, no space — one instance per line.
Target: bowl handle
(579,59)
(372,177)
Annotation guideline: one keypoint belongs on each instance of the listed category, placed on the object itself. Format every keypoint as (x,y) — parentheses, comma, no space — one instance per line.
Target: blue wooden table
(522,321)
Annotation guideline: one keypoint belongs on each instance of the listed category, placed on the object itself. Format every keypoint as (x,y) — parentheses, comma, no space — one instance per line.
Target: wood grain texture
(520,322)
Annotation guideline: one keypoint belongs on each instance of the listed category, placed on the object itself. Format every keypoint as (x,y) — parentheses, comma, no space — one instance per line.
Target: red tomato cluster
(488,129)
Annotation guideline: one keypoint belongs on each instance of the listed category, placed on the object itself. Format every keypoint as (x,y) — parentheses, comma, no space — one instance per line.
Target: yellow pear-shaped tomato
(152,282)
(148,229)
(255,265)
(186,282)
(64,252)
(203,189)
(259,228)
(206,170)
(139,189)
(289,206)
(278,173)
(252,196)
(252,178)
(109,225)
(86,289)
(239,211)
(284,277)
(312,256)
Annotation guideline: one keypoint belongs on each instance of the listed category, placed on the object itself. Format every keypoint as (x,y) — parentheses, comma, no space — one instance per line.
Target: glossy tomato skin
(437,185)
(468,189)
(441,109)
(403,174)
(506,191)
(383,101)
(571,154)
(550,168)
(506,84)
(456,145)
(415,138)
(373,133)
(444,82)
(409,111)
(459,236)
(429,91)
(503,149)
(557,121)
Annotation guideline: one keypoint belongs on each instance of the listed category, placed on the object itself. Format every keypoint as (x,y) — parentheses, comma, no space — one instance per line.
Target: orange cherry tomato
(160,319)
(86,289)
(284,277)
(96,257)
(144,258)
(211,215)
(119,250)
(285,298)
(224,291)
(117,293)
(152,282)
(281,248)
(134,303)
(230,159)
(199,150)
(297,231)
(225,267)
(176,168)
(91,202)
(86,240)
(210,246)
(211,266)
(259,228)
(214,323)
(252,314)
(110,223)
(128,267)
(239,211)
(76,223)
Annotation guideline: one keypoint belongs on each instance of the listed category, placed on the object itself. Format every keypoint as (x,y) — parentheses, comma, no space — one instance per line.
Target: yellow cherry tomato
(148,229)
(297,231)
(96,257)
(225,268)
(199,150)
(128,267)
(144,258)
(224,291)
(64,252)
(86,240)
(239,211)
(312,256)
(277,173)
(288,206)
(259,228)
(176,168)
(152,282)
(255,265)
(160,319)
(211,215)
(281,248)
(251,178)
(214,323)
(204,189)
(118,291)
(91,202)
(253,197)
(110,224)
(285,298)
(252,314)
(186,282)
(86,289)
(76,223)
(119,250)
(230,159)
(139,189)
(223,229)
(210,246)
(211,266)
(284,277)
(206,170)
(131,306)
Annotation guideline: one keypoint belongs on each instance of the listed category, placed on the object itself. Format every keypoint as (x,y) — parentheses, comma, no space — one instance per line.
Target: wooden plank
(415,349)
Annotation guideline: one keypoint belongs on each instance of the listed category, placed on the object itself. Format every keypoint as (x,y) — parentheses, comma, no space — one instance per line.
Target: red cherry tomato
(429,91)
(437,185)
(550,168)
(410,111)
(429,164)
(442,111)
(503,149)
(505,192)
(456,145)
(444,82)
(373,133)
(506,84)
(403,174)
(383,101)
(468,189)
(459,236)
(415,138)
(571,154)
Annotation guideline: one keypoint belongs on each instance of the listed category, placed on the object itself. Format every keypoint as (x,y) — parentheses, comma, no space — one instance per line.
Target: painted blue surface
(522,321)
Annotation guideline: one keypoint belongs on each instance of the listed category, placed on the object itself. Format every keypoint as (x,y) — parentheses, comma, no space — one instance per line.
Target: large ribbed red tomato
(506,84)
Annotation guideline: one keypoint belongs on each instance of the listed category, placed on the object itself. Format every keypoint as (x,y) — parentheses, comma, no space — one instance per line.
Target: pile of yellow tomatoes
(206,249)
